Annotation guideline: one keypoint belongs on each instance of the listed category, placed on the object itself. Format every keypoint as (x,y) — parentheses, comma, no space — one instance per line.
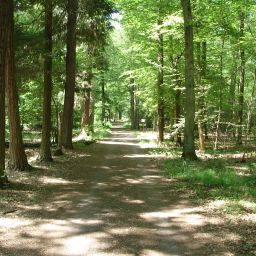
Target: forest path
(110,199)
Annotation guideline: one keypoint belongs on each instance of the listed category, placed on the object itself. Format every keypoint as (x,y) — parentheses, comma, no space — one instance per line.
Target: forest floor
(110,198)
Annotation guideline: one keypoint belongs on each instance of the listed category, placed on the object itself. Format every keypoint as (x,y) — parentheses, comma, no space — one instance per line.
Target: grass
(101,132)
(31,136)
(222,179)
(217,179)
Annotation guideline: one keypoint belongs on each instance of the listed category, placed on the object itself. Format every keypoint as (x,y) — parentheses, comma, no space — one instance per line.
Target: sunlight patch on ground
(13,223)
(86,222)
(121,133)
(147,252)
(132,201)
(187,215)
(118,143)
(57,229)
(135,181)
(51,180)
(222,204)
(139,156)
(75,246)
(124,139)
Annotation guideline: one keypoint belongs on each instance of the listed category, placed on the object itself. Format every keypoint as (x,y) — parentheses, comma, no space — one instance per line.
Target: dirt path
(108,199)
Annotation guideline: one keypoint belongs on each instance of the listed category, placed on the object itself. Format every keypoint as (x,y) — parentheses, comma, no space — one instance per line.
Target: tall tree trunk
(18,159)
(103,99)
(178,114)
(189,140)
(204,68)
(67,129)
(242,81)
(160,83)
(232,93)
(132,103)
(3,25)
(217,132)
(87,110)
(200,118)
(45,149)
(137,112)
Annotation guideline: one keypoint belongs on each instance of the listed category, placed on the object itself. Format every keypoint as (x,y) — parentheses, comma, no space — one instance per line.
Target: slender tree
(18,159)
(160,79)
(189,143)
(103,97)
(67,128)
(3,4)
(87,97)
(242,79)
(200,117)
(45,149)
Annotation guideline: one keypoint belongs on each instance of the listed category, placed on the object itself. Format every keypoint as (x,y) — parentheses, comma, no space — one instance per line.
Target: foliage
(217,180)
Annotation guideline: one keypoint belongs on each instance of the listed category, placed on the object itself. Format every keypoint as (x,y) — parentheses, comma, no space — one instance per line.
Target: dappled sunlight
(187,215)
(148,252)
(14,223)
(51,180)
(111,200)
(139,156)
(118,143)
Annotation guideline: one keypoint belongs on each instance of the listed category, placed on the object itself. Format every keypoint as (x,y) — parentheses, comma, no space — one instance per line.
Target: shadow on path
(108,199)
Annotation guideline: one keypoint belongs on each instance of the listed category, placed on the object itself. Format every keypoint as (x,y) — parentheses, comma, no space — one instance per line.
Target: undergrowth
(217,179)
(224,179)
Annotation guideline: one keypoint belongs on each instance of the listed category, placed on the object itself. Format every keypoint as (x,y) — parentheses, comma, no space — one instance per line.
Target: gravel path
(113,201)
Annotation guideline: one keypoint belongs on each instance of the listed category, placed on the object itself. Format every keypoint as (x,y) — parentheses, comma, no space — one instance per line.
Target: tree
(242,79)
(18,160)
(3,17)
(189,143)
(160,80)
(45,149)
(67,122)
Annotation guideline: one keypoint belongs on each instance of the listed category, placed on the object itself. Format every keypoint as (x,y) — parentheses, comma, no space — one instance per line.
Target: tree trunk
(200,117)
(103,100)
(160,83)
(70,75)
(189,143)
(137,113)
(242,81)
(217,132)
(132,103)
(87,106)
(251,107)
(87,110)
(178,113)
(204,68)
(18,159)
(3,24)
(45,149)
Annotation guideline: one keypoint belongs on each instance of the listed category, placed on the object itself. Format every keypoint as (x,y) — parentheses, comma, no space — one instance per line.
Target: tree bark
(103,99)
(200,101)
(217,132)
(189,140)
(70,75)
(45,149)
(204,68)
(242,81)
(132,103)
(178,113)
(18,159)
(160,83)
(87,110)
(3,25)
